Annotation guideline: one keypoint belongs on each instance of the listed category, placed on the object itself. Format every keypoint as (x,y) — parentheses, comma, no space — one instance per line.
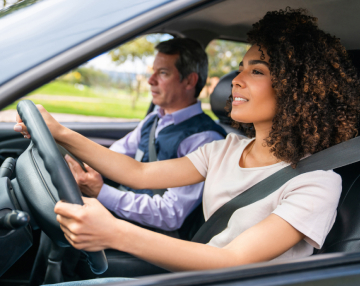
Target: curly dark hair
(315,82)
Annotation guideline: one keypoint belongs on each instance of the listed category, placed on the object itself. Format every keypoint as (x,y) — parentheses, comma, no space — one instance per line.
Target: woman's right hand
(91,226)
(54,126)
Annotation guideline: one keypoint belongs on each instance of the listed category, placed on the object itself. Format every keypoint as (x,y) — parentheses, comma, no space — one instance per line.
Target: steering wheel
(44,178)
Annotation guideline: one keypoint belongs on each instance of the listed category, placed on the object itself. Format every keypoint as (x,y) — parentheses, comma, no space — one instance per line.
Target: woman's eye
(237,73)
(257,72)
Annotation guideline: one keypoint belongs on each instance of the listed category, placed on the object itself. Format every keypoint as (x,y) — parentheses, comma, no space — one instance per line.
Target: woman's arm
(92,227)
(118,167)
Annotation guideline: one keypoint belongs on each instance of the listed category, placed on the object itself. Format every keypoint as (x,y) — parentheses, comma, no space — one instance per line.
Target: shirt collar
(182,114)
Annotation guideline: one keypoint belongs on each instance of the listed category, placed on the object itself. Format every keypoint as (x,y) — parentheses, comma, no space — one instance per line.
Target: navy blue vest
(170,137)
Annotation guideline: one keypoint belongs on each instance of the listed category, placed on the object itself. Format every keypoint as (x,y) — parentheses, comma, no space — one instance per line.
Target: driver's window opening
(113,87)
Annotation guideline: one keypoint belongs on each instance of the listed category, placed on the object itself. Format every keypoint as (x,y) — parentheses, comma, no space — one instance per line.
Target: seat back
(345,234)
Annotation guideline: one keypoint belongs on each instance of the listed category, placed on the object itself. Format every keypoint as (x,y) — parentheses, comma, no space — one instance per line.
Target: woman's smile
(239,99)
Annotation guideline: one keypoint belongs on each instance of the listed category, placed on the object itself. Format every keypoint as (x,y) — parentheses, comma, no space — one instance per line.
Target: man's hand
(90,182)
(89,227)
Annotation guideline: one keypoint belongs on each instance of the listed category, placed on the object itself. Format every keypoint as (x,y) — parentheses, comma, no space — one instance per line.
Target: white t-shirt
(308,202)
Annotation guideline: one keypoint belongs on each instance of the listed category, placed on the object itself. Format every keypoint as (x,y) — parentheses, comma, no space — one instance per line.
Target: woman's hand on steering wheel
(54,126)
(90,227)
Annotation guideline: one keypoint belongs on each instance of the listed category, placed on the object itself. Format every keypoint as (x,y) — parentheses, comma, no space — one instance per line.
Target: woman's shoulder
(309,204)
(318,176)
(326,184)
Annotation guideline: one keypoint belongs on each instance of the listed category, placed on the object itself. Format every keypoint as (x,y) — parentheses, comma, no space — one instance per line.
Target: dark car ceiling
(233,18)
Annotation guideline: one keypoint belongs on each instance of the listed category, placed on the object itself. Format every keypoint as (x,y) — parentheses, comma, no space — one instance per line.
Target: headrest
(220,95)
(355,57)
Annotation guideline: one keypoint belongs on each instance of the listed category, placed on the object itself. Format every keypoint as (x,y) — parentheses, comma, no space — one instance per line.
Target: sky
(104,62)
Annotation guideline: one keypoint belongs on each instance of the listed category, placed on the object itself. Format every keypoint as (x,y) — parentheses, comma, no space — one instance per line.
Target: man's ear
(192,80)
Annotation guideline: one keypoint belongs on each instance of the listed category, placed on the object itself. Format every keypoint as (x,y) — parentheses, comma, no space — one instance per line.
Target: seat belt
(153,153)
(152,149)
(331,158)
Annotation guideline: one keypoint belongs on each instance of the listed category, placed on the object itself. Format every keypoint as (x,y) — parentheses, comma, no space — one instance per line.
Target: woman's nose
(238,80)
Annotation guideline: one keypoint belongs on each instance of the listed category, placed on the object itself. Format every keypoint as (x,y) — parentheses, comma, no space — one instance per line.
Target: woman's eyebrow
(255,62)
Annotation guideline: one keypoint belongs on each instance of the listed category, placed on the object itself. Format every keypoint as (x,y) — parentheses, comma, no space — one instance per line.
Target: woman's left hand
(55,127)
(89,227)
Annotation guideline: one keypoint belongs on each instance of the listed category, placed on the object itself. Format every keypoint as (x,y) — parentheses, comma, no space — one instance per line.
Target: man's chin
(156,101)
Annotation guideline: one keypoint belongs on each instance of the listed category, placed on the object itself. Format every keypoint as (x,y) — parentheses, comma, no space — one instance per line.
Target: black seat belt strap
(152,149)
(331,158)
(153,153)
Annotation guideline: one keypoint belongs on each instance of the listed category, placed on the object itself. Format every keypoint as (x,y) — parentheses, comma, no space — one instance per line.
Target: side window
(110,87)
(224,56)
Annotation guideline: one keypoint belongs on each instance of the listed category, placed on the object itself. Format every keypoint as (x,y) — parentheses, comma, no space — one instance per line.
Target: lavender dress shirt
(169,211)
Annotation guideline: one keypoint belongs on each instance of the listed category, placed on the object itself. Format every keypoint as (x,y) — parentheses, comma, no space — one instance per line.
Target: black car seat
(345,234)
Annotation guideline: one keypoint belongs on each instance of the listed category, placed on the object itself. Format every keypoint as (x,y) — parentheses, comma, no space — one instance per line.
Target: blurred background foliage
(225,56)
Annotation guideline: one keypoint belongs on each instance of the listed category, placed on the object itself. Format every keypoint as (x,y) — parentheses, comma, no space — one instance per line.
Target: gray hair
(192,58)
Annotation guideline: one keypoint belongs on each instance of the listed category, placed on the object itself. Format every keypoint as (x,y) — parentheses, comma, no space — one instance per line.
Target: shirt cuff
(310,237)
(109,197)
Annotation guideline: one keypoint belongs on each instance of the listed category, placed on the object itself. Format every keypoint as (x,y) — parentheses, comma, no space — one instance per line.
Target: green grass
(67,89)
(62,88)
(103,104)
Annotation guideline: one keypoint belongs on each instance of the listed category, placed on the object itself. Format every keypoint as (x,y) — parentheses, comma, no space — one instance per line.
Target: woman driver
(297,93)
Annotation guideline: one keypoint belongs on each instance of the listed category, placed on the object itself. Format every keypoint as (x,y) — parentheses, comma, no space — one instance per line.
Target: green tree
(137,49)
(87,76)
(9,7)
(92,77)
(225,56)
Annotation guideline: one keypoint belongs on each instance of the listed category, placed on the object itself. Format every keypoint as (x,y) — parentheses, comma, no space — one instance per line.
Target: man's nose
(152,79)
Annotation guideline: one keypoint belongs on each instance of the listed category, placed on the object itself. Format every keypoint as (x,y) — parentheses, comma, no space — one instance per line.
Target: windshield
(40,30)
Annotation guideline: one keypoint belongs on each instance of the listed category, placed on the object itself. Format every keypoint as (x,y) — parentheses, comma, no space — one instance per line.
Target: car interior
(30,186)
